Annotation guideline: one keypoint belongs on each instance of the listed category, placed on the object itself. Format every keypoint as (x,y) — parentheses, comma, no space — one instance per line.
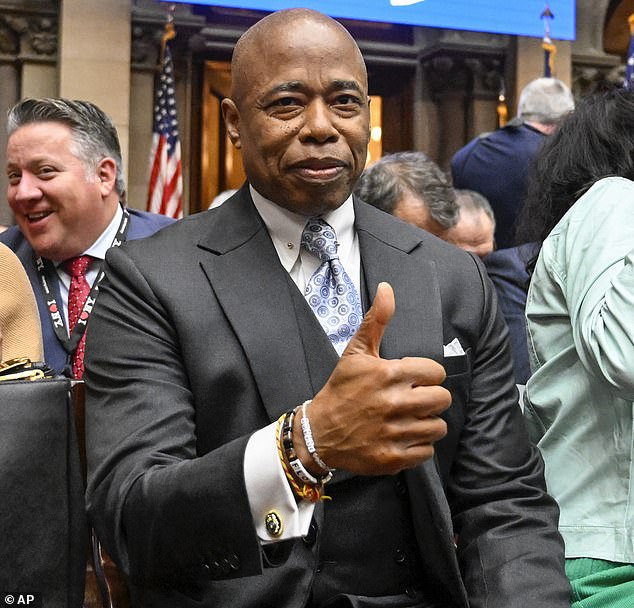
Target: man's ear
(106,175)
(231,114)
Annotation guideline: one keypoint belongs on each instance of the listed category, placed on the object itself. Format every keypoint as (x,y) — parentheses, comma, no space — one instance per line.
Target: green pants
(598,583)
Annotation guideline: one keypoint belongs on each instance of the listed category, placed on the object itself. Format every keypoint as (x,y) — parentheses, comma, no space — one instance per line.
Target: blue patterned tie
(330,292)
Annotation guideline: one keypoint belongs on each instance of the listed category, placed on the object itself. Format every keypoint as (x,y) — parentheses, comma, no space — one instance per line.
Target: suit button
(234,562)
(225,565)
(399,556)
(401,488)
(214,568)
(311,537)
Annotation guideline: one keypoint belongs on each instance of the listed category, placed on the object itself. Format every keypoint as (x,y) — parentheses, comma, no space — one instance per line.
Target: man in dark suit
(218,404)
(497,164)
(66,190)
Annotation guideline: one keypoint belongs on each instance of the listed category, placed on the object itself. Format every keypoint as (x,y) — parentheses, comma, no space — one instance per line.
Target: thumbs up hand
(376,416)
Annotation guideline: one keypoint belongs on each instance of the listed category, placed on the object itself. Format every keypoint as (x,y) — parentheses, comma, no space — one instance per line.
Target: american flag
(628,82)
(165,193)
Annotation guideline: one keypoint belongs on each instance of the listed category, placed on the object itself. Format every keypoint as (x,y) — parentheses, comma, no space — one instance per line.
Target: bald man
(475,228)
(268,420)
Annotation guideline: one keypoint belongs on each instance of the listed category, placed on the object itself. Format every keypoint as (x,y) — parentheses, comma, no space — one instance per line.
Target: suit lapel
(386,247)
(241,264)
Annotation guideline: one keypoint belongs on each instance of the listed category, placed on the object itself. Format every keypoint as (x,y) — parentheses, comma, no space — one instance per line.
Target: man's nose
(26,189)
(318,126)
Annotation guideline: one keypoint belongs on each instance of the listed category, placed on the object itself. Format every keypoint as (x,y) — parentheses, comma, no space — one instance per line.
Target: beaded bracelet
(308,438)
(310,492)
(289,451)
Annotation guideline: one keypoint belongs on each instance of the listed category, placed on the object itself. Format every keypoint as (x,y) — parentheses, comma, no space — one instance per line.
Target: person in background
(67,192)
(411,187)
(20,333)
(497,164)
(579,402)
(293,331)
(475,226)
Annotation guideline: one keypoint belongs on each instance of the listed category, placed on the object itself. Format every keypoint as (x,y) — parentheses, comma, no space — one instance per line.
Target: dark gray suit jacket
(195,345)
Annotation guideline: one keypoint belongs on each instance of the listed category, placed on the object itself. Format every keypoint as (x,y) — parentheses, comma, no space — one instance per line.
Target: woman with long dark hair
(579,402)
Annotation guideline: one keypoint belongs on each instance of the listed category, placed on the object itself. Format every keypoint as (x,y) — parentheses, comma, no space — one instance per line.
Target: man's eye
(14,178)
(344,100)
(286,102)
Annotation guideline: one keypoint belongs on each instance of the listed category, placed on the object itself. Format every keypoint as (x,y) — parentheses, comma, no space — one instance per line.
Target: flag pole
(550,50)
(170,32)
(502,108)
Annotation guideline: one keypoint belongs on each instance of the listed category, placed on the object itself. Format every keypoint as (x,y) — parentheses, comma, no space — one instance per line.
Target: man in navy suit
(498,164)
(211,453)
(67,192)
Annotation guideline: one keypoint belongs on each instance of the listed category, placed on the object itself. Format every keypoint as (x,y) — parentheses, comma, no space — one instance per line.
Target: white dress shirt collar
(285,228)
(103,243)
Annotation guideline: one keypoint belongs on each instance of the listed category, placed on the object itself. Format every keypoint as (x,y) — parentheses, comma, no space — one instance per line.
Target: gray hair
(545,100)
(94,134)
(474,202)
(385,182)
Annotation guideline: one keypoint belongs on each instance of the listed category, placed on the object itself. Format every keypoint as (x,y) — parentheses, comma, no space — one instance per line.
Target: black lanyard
(48,277)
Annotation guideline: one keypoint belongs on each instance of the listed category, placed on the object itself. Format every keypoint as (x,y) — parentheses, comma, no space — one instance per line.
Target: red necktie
(77,294)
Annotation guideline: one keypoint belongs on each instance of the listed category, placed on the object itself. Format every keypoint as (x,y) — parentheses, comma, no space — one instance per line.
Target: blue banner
(520,17)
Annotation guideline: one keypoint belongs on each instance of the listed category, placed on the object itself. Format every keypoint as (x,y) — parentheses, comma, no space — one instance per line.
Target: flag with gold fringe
(165,193)
(550,50)
(628,82)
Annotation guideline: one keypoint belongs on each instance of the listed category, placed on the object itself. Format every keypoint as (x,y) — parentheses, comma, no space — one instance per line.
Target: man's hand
(376,416)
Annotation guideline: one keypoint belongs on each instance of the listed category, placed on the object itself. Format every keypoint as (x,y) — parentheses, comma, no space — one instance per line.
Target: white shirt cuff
(270,496)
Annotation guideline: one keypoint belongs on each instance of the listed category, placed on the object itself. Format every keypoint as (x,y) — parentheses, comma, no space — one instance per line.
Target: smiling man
(283,379)
(66,190)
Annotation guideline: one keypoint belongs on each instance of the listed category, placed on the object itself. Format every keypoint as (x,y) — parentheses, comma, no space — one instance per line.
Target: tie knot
(319,238)
(77,267)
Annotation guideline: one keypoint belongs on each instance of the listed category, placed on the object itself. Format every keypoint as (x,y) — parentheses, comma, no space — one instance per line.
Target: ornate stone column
(592,67)
(462,75)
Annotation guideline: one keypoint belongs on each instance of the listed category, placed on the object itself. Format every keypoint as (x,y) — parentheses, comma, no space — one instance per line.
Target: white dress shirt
(267,487)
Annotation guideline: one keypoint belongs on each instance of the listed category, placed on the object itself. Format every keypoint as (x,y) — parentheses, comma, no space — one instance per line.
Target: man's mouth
(319,169)
(37,216)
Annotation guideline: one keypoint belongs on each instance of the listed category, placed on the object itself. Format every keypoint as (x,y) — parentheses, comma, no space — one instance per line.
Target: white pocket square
(453,349)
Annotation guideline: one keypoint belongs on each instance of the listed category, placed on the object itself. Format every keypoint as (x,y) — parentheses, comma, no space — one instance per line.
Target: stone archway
(616,34)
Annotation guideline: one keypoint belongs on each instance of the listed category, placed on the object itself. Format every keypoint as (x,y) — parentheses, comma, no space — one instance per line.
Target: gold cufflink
(273,524)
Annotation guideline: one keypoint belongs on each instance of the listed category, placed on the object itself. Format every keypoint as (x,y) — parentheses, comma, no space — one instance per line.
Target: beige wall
(94,64)
(141,104)
(94,58)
